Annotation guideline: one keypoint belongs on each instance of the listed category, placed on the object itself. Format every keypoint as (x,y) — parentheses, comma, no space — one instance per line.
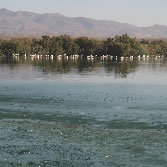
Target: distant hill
(34,24)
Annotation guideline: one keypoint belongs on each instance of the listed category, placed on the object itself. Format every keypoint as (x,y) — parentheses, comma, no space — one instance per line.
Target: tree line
(64,44)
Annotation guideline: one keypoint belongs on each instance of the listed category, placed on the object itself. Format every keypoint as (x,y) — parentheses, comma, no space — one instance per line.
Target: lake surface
(83,112)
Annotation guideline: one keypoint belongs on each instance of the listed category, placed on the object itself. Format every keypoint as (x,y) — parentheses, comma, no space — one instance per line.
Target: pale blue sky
(137,12)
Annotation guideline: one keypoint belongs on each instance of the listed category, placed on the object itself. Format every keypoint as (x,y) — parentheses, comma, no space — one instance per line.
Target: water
(80,112)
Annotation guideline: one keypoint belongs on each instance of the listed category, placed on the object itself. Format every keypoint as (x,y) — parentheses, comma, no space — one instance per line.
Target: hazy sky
(137,12)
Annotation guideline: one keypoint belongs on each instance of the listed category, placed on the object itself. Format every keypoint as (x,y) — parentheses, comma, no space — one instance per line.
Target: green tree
(86,46)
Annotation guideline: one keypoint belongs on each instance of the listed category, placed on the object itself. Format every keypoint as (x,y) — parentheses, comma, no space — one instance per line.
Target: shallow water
(80,112)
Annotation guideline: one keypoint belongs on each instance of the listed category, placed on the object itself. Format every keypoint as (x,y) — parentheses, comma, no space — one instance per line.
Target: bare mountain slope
(28,23)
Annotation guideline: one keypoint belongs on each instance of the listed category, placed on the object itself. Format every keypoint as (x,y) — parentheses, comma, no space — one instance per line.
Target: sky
(136,12)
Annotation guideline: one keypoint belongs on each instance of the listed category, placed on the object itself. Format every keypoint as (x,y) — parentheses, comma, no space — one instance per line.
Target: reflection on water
(83,112)
(55,67)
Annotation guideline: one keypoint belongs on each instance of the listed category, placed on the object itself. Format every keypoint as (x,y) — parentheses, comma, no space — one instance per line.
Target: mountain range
(24,23)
